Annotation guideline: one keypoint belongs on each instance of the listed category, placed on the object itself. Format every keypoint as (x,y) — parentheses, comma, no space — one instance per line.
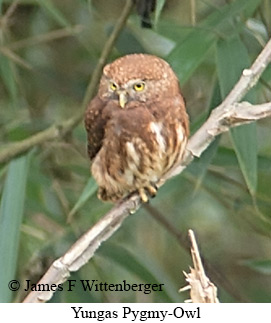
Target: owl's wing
(95,124)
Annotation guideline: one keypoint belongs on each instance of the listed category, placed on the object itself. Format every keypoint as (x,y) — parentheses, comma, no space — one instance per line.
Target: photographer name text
(94,286)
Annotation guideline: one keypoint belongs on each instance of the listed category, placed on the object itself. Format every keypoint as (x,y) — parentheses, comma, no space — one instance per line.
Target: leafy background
(48,51)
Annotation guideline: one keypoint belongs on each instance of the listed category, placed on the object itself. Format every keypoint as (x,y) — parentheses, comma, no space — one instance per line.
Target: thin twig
(193,12)
(10,11)
(50,36)
(15,58)
(54,132)
(202,290)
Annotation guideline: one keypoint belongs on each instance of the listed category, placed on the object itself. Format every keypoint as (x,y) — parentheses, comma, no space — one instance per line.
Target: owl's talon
(146,192)
(152,190)
(143,195)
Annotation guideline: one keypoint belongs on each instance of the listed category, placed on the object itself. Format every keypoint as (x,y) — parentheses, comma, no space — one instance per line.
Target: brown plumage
(137,126)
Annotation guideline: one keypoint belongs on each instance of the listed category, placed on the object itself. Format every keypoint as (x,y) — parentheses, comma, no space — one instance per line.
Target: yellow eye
(113,86)
(139,87)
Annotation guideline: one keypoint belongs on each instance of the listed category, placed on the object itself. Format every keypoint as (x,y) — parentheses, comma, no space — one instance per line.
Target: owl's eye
(139,86)
(113,86)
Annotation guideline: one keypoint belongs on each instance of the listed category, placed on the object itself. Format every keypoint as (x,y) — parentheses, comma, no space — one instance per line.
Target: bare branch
(228,114)
(10,11)
(201,289)
(84,248)
(15,58)
(43,38)
(249,78)
(54,132)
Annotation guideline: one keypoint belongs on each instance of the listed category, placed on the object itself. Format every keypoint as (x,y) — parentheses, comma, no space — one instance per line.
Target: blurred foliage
(48,50)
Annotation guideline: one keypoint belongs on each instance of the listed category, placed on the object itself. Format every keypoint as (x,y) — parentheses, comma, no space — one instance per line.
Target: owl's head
(137,77)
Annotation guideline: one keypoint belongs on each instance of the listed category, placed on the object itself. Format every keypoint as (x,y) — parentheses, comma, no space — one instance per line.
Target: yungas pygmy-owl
(137,126)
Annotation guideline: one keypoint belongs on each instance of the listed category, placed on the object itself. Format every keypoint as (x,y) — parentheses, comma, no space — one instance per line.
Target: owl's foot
(147,191)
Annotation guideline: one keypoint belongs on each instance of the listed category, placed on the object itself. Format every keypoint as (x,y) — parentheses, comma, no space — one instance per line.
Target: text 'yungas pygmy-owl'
(137,126)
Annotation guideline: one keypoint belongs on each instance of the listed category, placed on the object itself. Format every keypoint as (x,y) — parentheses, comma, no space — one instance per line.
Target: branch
(228,107)
(54,132)
(225,116)
(221,120)
(217,122)
(59,130)
(202,290)
(44,38)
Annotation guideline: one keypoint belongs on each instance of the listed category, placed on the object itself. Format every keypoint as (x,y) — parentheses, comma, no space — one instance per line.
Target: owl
(137,126)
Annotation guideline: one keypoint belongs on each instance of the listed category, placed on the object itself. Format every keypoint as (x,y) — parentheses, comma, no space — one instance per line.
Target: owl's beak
(122,98)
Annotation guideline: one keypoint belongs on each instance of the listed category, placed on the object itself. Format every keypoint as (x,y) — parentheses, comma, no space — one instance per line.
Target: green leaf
(87,192)
(250,7)
(232,58)
(224,17)
(244,139)
(199,167)
(188,55)
(11,213)
(158,9)
(190,52)
(173,30)
(8,77)
(261,266)
(151,41)
(127,37)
